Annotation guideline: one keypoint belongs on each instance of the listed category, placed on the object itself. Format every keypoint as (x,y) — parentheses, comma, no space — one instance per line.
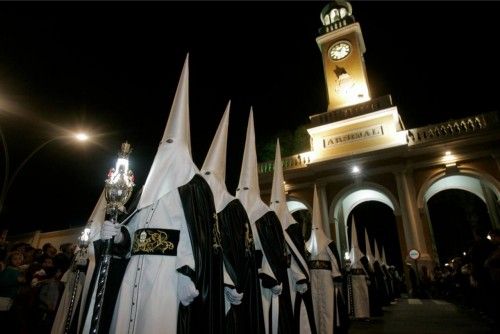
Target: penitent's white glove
(186,290)
(301,288)
(277,289)
(233,296)
(110,229)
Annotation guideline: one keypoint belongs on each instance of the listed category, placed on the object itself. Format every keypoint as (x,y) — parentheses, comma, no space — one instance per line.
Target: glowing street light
(8,179)
(81,136)
(355,170)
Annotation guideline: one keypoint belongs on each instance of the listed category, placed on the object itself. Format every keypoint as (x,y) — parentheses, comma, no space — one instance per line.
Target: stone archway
(472,181)
(351,196)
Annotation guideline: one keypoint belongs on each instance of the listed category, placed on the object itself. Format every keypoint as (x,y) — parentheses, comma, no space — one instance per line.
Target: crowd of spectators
(470,279)
(30,287)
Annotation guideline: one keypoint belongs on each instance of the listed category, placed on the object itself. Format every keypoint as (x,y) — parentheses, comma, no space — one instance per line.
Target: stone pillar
(428,231)
(403,246)
(412,225)
(401,236)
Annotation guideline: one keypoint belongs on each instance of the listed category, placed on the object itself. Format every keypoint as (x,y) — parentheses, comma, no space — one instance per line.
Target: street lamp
(9,180)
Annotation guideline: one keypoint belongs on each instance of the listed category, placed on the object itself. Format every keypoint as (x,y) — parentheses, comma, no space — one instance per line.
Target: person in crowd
(49,250)
(47,298)
(40,275)
(426,282)
(11,278)
(479,251)
(492,265)
(414,286)
(62,260)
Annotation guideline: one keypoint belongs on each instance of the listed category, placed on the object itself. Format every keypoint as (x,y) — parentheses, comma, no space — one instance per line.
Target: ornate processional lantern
(119,184)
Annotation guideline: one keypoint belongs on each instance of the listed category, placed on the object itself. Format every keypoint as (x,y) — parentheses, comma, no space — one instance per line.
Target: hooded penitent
(384,261)
(269,240)
(236,239)
(388,276)
(298,273)
(380,277)
(360,302)
(83,281)
(330,309)
(369,253)
(373,291)
(173,242)
(355,254)
(172,166)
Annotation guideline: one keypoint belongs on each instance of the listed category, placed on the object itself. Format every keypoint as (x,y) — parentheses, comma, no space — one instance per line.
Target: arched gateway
(361,151)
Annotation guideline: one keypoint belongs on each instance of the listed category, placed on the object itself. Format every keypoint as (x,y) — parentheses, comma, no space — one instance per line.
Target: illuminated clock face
(340,50)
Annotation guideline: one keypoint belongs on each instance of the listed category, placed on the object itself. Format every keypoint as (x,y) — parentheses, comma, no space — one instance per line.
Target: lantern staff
(117,189)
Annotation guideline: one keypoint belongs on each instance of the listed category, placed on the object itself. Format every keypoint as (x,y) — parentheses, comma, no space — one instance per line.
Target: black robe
(381,284)
(206,313)
(117,267)
(341,322)
(274,247)
(240,263)
(298,240)
(389,282)
(375,303)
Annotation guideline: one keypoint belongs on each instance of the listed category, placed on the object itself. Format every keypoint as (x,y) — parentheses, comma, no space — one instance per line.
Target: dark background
(112,68)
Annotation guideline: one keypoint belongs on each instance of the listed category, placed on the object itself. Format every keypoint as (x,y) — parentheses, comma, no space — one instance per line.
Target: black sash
(318,264)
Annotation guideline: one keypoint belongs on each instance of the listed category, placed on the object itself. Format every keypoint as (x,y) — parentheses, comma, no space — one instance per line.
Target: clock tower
(342,48)
(354,122)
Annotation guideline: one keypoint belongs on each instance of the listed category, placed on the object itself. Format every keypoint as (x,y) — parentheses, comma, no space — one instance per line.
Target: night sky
(112,69)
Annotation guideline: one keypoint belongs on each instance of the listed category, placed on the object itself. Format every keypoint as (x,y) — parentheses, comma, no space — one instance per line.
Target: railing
(452,128)
(445,130)
(380,103)
(295,161)
(336,25)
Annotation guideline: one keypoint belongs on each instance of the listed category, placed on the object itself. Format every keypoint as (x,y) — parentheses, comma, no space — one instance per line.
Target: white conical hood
(377,255)
(97,217)
(279,206)
(318,240)
(355,254)
(369,253)
(172,166)
(384,261)
(214,167)
(178,126)
(248,191)
(278,195)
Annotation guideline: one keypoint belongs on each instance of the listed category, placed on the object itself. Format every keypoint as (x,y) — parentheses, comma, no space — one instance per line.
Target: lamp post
(8,179)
